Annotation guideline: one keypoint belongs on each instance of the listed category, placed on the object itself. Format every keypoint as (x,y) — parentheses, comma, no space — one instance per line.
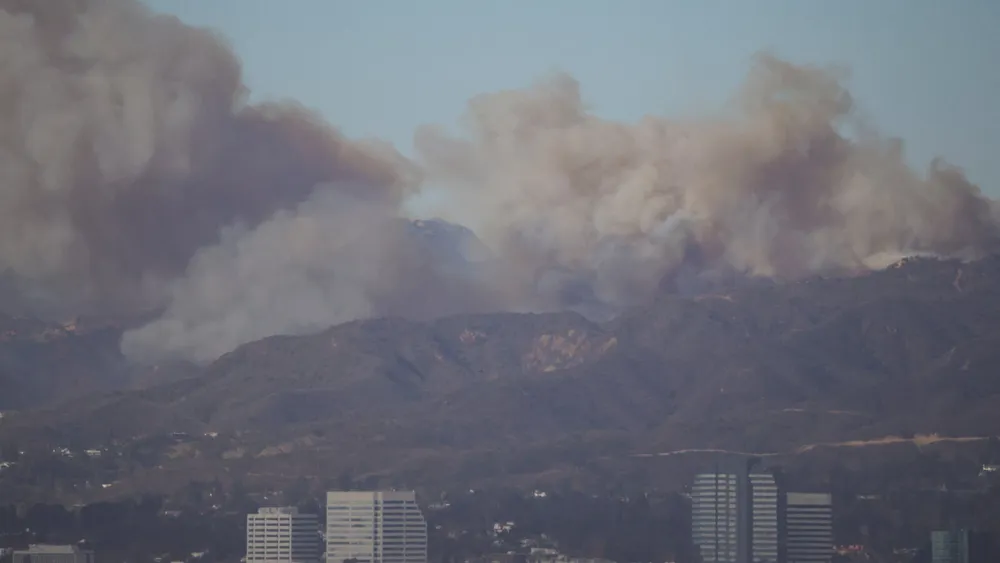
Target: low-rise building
(44,553)
(282,535)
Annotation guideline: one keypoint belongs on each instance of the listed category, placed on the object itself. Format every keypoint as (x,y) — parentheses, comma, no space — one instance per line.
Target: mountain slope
(766,367)
(44,363)
(41,363)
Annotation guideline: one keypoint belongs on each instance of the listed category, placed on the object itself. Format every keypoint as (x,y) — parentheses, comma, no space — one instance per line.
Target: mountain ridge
(763,367)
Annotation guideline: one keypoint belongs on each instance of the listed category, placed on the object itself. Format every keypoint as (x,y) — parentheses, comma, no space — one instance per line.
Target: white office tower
(282,535)
(375,527)
(764,518)
(734,516)
(715,516)
(809,527)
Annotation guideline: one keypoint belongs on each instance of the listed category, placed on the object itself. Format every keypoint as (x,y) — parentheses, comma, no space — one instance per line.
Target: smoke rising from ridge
(134,176)
(775,190)
(333,259)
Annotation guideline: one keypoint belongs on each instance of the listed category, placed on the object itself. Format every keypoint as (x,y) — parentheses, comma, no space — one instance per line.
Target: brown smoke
(135,176)
(775,190)
(126,144)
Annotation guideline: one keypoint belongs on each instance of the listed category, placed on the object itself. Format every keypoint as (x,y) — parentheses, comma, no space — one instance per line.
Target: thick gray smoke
(776,189)
(134,176)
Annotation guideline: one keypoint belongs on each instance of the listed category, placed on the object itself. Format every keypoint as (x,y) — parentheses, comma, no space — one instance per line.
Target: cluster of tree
(130,530)
(637,528)
(895,501)
(56,470)
(887,505)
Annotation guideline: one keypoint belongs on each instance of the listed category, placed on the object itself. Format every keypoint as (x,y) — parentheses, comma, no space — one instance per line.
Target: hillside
(910,350)
(46,363)
(43,363)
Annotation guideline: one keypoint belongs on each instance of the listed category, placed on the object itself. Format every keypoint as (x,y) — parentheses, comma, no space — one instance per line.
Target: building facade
(735,515)
(282,535)
(375,527)
(53,554)
(715,516)
(808,527)
(765,521)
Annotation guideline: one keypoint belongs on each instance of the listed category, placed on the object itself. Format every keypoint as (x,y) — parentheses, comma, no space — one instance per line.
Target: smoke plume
(774,189)
(333,259)
(126,143)
(136,177)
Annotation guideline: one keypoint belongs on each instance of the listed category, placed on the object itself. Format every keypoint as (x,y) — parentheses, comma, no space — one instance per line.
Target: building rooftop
(809,498)
(291,510)
(46,548)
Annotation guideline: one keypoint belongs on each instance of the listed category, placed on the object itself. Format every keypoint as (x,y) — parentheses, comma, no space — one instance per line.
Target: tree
(296,492)
(10,452)
(195,493)
(993,450)
(345,481)
(238,492)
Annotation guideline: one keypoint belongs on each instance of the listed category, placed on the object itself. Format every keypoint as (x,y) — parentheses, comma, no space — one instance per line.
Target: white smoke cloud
(335,258)
(296,272)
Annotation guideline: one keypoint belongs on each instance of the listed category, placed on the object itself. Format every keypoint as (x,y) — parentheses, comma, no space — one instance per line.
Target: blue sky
(925,70)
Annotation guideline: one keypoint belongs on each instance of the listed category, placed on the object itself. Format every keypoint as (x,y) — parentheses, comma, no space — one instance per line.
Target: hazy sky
(925,70)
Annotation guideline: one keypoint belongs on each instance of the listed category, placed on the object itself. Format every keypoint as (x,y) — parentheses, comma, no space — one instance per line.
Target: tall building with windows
(808,528)
(735,515)
(715,516)
(764,518)
(375,527)
(282,535)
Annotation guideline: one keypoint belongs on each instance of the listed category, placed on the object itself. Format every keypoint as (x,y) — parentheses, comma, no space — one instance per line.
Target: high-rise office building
(735,515)
(808,528)
(764,546)
(375,527)
(715,517)
(282,535)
